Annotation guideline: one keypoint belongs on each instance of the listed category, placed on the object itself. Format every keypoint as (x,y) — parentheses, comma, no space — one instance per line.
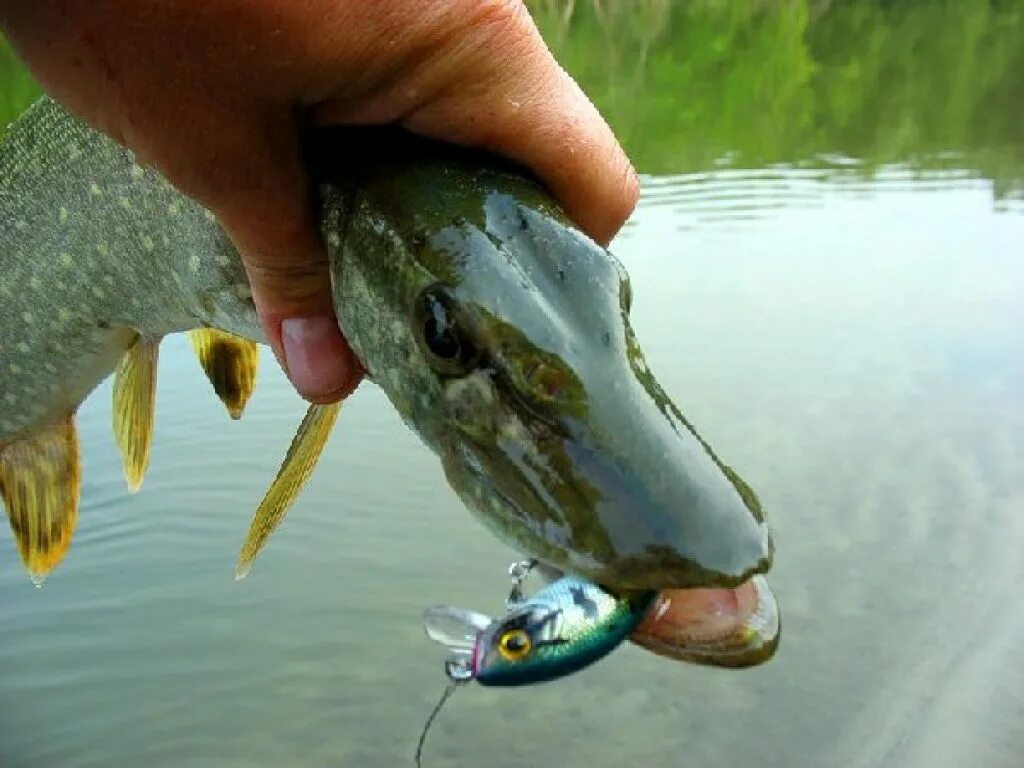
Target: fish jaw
(734,628)
(549,425)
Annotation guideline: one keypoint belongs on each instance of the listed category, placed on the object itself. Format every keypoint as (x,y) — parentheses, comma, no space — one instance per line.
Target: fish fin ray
(40,483)
(230,363)
(298,464)
(135,408)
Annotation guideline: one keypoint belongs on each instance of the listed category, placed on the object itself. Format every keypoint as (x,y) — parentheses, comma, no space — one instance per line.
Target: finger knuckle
(287,281)
(498,26)
(499,18)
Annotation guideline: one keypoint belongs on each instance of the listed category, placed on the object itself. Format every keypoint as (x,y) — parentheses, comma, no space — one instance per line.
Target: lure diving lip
(457,630)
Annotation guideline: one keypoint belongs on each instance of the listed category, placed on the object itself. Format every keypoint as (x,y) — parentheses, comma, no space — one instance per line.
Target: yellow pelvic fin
(40,480)
(298,464)
(230,364)
(134,408)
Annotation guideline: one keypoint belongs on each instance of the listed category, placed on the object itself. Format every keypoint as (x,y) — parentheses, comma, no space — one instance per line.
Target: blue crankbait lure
(564,627)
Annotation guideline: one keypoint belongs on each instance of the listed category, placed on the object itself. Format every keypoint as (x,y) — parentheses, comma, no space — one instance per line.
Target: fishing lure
(566,626)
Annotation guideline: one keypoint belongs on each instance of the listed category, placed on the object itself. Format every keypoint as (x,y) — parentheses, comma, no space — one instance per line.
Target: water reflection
(721,197)
(690,86)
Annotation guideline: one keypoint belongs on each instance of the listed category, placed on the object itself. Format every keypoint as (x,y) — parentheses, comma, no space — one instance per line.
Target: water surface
(840,309)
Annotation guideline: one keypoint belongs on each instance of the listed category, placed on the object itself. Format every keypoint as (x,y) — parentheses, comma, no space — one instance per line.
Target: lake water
(841,315)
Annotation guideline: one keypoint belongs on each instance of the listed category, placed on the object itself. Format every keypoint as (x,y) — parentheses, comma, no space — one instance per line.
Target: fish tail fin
(230,363)
(134,408)
(40,482)
(298,464)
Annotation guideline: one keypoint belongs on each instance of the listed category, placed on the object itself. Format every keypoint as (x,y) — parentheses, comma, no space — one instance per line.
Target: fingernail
(317,358)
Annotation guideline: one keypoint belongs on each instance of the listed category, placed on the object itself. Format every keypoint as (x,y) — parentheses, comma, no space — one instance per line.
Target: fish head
(501,334)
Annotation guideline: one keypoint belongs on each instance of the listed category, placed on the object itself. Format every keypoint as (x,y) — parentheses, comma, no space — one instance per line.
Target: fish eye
(447,347)
(514,644)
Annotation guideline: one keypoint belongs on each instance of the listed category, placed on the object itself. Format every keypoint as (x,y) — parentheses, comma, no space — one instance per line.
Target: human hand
(213,92)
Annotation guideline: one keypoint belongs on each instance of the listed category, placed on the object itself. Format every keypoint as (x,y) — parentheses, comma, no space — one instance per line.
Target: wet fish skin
(99,256)
(96,249)
(548,422)
(498,332)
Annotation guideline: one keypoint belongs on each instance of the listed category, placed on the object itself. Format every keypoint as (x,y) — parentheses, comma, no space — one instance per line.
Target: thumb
(260,194)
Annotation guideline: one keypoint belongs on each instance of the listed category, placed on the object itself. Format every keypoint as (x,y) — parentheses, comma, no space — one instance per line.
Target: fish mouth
(581,513)
(734,627)
(733,624)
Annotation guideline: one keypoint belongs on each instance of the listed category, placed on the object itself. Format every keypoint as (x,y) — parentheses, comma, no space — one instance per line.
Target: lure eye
(446,345)
(514,645)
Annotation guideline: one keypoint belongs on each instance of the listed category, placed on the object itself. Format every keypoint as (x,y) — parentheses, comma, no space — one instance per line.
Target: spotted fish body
(568,625)
(95,250)
(498,332)
(101,258)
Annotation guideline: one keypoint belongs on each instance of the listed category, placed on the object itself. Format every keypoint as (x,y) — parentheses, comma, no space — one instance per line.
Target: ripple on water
(876,412)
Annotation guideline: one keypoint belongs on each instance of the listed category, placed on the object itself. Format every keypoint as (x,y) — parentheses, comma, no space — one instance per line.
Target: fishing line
(448,691)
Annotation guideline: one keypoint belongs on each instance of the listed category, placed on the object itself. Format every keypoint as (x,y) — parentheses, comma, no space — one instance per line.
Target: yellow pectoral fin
(134,408)
(298,464)
(40,480)
(230,363)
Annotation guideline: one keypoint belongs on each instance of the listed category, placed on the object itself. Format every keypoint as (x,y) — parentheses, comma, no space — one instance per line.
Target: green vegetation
(929,83)
(690,85)
(17,88)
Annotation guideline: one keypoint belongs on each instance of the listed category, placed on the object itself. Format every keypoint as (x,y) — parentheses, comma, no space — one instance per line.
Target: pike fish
(499,333)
